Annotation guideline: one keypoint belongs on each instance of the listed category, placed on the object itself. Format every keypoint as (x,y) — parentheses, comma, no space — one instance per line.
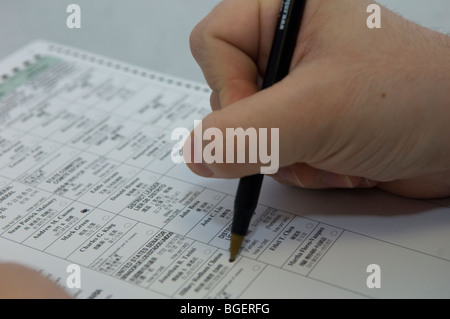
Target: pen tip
(235,246)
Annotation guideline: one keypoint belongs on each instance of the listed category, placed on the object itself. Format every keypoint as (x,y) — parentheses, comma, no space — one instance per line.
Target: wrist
(439,60)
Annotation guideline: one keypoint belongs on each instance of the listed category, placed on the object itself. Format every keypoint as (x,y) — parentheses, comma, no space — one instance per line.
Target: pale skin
(20,282)
(360,107)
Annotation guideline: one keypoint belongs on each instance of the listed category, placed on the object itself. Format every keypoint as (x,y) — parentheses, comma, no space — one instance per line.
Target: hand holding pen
(359,108)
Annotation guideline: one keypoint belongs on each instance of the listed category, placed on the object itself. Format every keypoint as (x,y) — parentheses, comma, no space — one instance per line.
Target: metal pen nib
(235,245)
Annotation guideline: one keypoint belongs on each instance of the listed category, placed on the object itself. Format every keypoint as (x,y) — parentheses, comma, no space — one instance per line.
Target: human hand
(360,107)
(19,282)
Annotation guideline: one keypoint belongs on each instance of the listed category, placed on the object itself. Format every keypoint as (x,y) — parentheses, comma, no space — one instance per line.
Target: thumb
(257,134)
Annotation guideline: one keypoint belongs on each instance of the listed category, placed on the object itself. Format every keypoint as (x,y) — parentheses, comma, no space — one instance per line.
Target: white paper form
(86,178)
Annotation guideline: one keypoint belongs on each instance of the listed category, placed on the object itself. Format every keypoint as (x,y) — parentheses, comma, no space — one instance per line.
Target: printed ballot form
(87,179)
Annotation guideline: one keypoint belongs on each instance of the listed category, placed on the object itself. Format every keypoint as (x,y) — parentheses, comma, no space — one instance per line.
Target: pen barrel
(283,46)
(284,41)
(245,203)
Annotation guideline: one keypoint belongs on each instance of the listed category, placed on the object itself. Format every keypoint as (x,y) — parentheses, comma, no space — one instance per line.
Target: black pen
(283,45)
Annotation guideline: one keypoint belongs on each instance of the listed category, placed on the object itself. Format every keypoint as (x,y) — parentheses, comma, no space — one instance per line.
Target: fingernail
(287,174)
(336,181)
(366,183)
(200,169)
(190,150)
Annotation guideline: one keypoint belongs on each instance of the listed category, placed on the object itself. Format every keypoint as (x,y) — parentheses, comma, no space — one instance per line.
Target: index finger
(232,45)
